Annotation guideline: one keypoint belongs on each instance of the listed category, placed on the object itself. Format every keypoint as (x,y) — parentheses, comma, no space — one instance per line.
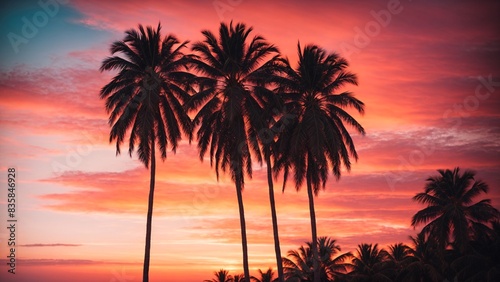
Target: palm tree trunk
(277,248)
(243,231)
(145,273)
(314,241)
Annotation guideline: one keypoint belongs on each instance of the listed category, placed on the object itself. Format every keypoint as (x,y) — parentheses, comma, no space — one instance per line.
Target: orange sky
(428,74)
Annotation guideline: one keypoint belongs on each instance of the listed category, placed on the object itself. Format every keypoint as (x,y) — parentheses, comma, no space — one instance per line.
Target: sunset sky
(428,74)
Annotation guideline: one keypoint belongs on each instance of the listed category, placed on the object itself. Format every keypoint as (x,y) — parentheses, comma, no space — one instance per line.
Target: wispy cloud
(50,245)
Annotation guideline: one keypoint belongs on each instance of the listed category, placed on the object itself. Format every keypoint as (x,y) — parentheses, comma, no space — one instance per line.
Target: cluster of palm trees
(459,242)
(248,105)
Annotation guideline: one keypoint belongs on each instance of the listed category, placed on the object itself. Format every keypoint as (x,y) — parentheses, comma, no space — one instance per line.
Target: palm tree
(299,265)
(316,140)
(482,262)
(267,140)
(400,256)
(427,261)
(221,276)
(265,276)
(451,216)
(231,70)
(370,264)
(239,278)
(144,99)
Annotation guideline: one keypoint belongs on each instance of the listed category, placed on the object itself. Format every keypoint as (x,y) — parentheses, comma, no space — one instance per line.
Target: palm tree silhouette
(265,276)
(482,262)
(299,264)
(316,140)
(370,264)
(231,70)
(267,135)
(238,278)
(400,256)
(451,216)
(221,276)
(427,261)
(144,98)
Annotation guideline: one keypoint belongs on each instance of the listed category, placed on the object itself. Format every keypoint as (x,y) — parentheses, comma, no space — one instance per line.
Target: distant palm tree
(221,276)
(400,256)
(267,276)
(316,140)
(231,70)
(238,278)
(427,261)
(370,264)
(482,262)
(451,216)
(145,100)
(299,265)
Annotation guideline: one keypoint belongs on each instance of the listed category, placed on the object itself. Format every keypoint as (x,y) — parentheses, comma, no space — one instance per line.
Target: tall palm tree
(145,99)
(231,72)
(267,276)
(270,152)
(221,276)
(370,264)
(299,263)
(451,216)
(316,140)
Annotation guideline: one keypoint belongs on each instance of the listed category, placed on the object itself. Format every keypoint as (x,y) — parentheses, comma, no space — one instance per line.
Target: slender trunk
(277,248)
(314,244)
(145,273)
(243,231)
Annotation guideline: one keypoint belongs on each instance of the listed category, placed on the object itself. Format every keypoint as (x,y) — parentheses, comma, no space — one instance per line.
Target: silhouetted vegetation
(429,257)
(144,100)
(251,106)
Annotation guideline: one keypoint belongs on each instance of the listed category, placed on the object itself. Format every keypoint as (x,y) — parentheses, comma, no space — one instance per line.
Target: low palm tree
(231,71)
(239,278)
(482,262)
(267,276)
(370,264)
(451,216)
(221,276)
(299,263)
(145,100)
(399,256)
(427,263)
(316,140)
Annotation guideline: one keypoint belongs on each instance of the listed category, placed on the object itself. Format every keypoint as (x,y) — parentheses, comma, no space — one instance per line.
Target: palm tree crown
(146,95)
(370,263)
(267,276)
(451,216)
(231,97)
(221,276)
(317,140)
(299,263)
